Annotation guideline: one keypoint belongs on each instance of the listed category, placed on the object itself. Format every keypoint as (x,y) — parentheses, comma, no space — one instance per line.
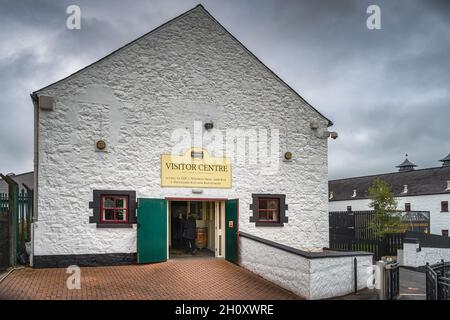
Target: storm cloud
(387,91)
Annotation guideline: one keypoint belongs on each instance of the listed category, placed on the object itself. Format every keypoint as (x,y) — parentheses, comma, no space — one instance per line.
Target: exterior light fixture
(197,154)
(288,156)
(101,145)
(209,125)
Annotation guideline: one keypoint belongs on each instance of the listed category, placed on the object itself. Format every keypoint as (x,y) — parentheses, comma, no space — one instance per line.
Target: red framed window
(407,207)
(444,206)
(114,209)
(269,210)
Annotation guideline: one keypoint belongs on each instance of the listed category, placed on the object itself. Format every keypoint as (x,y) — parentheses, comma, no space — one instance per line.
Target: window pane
(262,215)
(108,214)
(262,203)
(108,202)
(274,215)
(121,215)
(121,202)
(272,204)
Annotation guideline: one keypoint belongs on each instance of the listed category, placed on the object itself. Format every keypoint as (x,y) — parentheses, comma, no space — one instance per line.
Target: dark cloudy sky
(387,91)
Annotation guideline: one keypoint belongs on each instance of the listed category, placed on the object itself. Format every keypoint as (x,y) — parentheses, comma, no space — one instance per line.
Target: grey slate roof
(26,177)
(420,182)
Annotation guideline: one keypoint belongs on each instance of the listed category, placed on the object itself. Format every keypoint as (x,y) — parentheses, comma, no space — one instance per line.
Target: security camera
(327,134)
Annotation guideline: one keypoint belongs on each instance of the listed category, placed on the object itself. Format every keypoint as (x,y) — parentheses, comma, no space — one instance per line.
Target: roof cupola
(446,161)
(406,165)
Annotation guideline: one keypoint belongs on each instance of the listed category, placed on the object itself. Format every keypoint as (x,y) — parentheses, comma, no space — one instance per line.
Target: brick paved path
(176,279)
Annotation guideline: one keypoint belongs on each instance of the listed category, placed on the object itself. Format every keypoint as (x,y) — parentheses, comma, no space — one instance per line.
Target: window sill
(114,225)
(269,224)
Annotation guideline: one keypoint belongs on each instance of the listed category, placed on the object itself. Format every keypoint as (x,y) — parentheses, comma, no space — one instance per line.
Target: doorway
(209,228)
(215,223)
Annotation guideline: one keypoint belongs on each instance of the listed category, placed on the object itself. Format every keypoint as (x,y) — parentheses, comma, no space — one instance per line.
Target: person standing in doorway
(189,234)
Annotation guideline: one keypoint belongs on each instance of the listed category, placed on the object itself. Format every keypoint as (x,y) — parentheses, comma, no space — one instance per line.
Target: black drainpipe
(355,268)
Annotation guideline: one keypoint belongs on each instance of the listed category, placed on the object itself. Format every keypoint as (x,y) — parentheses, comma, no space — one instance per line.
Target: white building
(415,190)
(102,140)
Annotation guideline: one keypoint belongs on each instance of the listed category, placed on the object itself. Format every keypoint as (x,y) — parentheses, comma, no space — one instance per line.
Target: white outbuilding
(426,191)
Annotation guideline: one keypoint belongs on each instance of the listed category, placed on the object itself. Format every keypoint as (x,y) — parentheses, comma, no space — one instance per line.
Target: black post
(355,267)
(427,287)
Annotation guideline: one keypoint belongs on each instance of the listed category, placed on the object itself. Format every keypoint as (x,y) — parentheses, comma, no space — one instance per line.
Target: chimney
(405,188)
(331,195)
(448,184)
(354,193)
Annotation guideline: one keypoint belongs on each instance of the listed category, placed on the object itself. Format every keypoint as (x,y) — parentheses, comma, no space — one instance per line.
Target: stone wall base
(84,260)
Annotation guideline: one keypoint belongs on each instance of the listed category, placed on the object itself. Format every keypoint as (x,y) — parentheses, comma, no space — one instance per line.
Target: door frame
(212,199)
(220,233)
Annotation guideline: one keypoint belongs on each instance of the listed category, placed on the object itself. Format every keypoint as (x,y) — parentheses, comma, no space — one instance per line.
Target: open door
(151,230)
(231,230)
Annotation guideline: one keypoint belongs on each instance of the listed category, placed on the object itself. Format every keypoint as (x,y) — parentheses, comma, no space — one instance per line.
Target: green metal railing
(24,219)
(4,232)
(16,211)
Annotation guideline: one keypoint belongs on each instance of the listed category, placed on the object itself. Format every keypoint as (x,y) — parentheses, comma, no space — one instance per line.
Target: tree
(387,219)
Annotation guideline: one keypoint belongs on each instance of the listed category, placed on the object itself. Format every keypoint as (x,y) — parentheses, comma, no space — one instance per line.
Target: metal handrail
(392,265)
(439,264)
(438,281)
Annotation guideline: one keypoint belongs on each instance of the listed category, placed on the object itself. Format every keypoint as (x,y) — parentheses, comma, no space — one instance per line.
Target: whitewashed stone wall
(310,278)
(332,277)
(412,256)
(188,70)
(438,220)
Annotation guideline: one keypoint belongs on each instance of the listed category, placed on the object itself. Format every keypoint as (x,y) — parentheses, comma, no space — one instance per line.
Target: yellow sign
(195,169)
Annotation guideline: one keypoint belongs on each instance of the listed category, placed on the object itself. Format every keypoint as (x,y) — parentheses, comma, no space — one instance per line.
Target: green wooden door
(152,230)
(231,230)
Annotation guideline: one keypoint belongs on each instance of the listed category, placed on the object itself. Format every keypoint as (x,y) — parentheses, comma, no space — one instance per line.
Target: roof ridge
(387,173)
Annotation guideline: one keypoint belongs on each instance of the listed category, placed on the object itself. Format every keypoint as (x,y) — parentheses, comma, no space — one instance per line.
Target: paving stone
(203,279)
